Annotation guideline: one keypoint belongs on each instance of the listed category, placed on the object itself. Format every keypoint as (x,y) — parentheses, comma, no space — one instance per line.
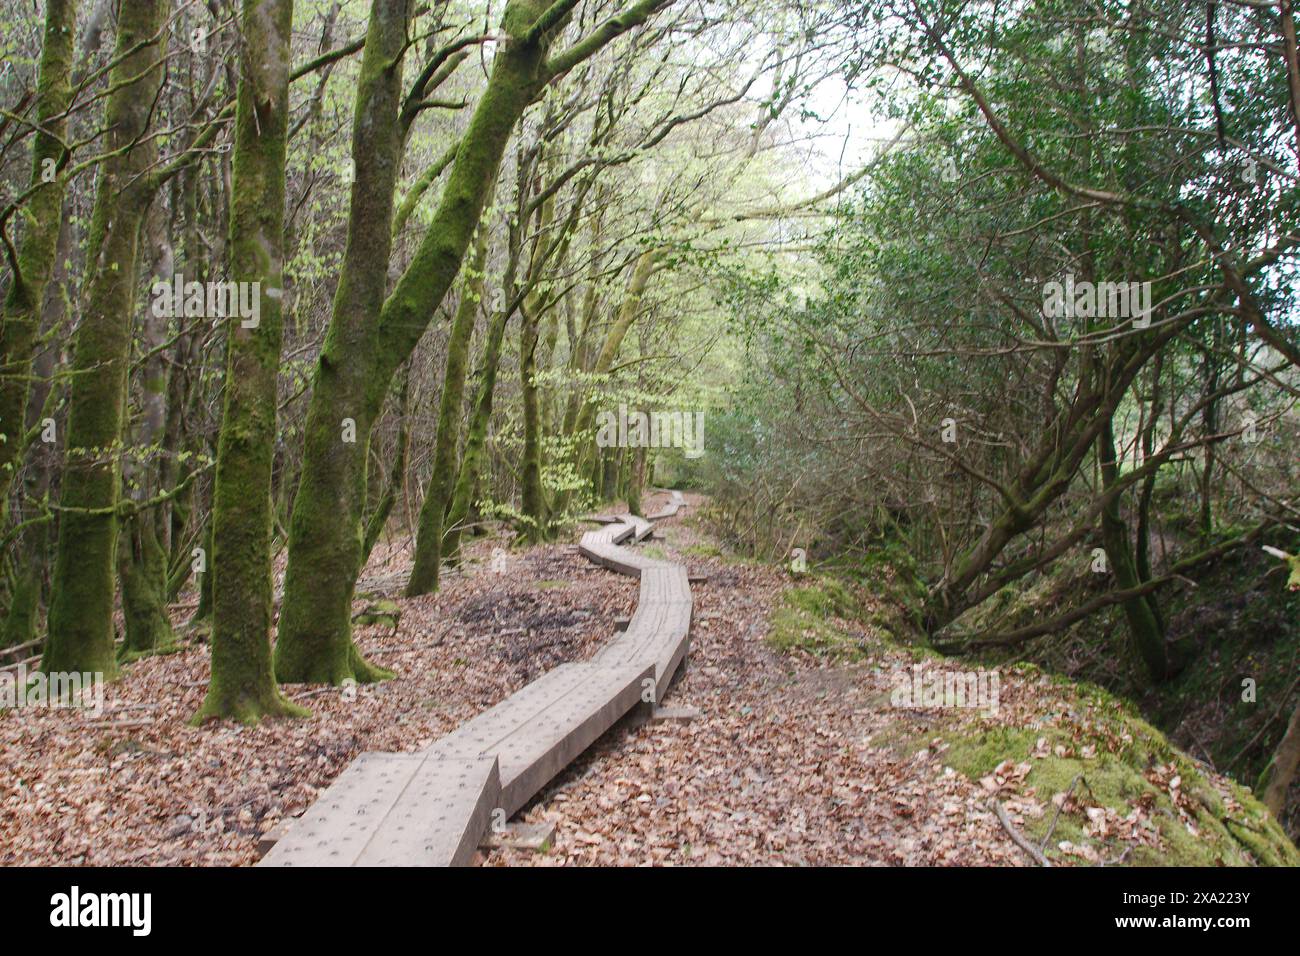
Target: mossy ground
(1214,822)
(1074,737)
(805,620)
(1229,623)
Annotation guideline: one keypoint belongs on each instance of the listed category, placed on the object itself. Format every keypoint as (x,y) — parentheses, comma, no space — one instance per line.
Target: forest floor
(797,756)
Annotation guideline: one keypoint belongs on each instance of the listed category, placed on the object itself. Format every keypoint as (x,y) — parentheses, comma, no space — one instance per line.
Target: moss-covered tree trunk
(578,417)
(428,542)
(41,217)
(636,479)
(396,474)
(533,497)
(203,610)
(183,393)
(81,612)
(22,623)
(607,473)
(326,533)
(142,570)
(471,462)
(533,503)
(242,684)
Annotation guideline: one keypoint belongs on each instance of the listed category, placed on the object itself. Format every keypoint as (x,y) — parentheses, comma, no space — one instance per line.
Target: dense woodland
(285,280)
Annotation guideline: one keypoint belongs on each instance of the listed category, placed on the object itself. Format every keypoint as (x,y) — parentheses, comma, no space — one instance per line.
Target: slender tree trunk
(1210,422)
(471,462)
(607,471)
(22,623)
(81,614)
(142,570)
(534,497)
(636,479)
(579,416)
(42,218)
(181,389)
(428,542)
(396,475)
(203,610)
(142,561)
(242,684)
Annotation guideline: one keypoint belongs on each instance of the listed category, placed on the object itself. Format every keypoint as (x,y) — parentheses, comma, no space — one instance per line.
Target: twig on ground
(1016,836)
(1060,807)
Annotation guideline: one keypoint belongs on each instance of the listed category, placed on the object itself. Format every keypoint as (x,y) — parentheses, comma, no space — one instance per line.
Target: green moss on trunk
(24,606)
(360,359)
(533,498)
(396,476)
(243,683)
(81,613)
(1144,625)
(428,542)
(471,462)
(41,218)
(142,569)
(326,533)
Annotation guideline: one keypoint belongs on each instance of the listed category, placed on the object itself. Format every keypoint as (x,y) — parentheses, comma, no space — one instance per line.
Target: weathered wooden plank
(661,639)
(439,817)
(538,731)
(336,828)
(393,810)
(641,528)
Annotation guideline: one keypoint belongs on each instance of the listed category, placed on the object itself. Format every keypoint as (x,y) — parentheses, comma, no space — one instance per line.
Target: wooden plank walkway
(432,808)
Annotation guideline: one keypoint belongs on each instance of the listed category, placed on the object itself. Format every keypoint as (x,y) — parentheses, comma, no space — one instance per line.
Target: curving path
(432,808)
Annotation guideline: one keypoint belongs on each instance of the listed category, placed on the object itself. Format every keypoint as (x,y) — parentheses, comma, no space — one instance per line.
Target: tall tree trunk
(636,479)
(81,613)
(42,217)
(326,535)
(396,474)
(22,623)
(242,684)
(578,417)
(534,497)
(1210,422)
(607,470)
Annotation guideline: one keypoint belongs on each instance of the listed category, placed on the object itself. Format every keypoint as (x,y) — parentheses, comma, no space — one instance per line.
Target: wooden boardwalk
(432,808)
